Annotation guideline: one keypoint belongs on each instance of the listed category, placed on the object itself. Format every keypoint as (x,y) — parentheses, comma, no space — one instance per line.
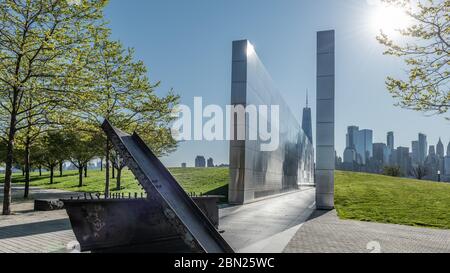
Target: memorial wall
(256,173)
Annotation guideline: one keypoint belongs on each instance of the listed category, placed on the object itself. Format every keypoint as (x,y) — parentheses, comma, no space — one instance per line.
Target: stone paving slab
(324,232)
(27,231)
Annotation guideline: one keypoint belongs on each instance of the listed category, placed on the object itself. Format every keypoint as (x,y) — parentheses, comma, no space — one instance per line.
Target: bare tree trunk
(27,169)
(101,164)
(113,171)
(80,175)
(119,178)
(86,171)
(61,168)
(51,174)
(40,171)
(107,168)
(9,164)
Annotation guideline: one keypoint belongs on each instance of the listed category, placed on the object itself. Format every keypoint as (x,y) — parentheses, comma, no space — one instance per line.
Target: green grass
(383,199)
(212,181)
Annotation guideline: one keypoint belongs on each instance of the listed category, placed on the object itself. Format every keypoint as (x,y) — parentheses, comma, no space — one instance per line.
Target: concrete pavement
(267,226)
(324,232)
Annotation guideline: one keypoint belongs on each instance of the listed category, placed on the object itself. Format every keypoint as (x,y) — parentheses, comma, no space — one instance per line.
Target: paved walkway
(267,226)
(326,233)
(27,231)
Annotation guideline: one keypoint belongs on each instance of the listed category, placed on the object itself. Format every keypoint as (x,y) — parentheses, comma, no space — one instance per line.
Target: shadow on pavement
(34,228)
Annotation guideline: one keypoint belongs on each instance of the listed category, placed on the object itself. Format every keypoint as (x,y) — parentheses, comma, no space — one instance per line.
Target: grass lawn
(383,199)
(212,181)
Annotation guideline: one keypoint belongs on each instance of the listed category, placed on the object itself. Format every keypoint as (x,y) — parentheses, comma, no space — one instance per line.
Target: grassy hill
(384,199)
(359,196)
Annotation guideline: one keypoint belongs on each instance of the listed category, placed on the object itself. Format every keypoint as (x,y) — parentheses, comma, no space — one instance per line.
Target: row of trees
(61,75)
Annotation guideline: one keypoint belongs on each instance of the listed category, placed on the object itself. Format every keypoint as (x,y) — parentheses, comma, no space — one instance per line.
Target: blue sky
(187,46)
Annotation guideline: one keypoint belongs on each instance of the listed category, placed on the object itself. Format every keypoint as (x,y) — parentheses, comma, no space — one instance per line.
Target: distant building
(423,146)
(432,151)
(210,163)
(183,165)
(200,162)
(351,136)
(362,142)
(432,164)
(307,121)
(349,155)
(364,145)
(380,153)
(402,160)
(447,166)
(440,149)
(390,141)
(415,153)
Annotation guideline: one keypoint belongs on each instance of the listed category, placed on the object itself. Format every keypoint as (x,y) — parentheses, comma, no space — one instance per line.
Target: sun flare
(390,19)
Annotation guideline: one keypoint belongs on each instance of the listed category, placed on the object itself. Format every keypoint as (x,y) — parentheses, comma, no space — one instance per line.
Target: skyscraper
(432,151)
(440,149)
(307,120)
(390,141)
(423,145)
(380,153)
(403,160)
(447,163)
(415,153)
(200,162)
(364,145)
(351,136)
(210,163)
(361,141)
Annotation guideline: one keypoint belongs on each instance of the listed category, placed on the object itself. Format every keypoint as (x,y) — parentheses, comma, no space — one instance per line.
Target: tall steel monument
(325,164)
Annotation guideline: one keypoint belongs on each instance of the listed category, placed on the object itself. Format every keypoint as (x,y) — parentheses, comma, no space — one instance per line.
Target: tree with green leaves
(48,149)
(123,94)
(36,123)
(426,52)
(43,46)
(83,148)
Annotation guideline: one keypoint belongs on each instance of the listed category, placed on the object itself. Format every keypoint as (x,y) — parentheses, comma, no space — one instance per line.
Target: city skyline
(421,159)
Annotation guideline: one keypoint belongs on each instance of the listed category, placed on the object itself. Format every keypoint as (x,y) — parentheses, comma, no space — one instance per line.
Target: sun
(389,19)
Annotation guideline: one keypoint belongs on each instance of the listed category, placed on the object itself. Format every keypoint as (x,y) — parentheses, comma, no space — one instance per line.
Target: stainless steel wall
(325,164)
(255,173)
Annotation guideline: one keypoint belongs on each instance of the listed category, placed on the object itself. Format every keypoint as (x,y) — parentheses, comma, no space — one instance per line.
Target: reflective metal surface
(256,173)
(325,120)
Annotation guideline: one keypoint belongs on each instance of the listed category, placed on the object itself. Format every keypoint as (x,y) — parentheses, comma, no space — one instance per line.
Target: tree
(419,172)
(426,53)
(83,147)
(394,171)
(123,94)
(48,150)
(117,164)
(35,123)
(42,45)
